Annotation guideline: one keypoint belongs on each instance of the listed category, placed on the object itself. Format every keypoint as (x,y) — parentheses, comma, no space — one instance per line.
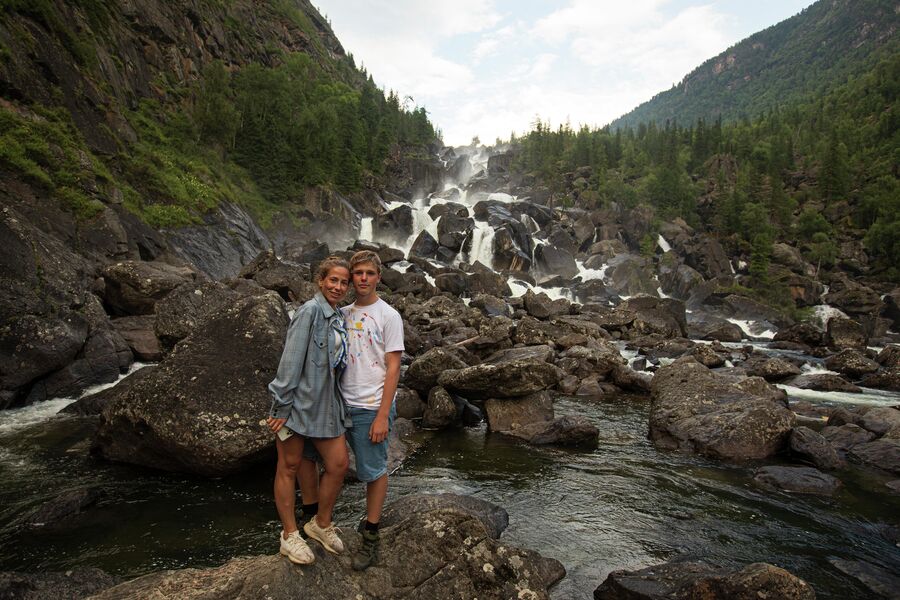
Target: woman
(307,408)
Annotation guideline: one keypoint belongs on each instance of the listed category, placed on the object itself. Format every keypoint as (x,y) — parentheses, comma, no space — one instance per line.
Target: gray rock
(851,362)
(800,480)
(409,404)
(423,373)
(844,437)
(541,306)
(824,382)
(880,581)
(73,584)
(698,580)
(440,411)
(292,282)
(845,333)
(568,431)
(188,306)
(554,261)
(882,454)
(199,410)
(504,380)
(693,408)
(508,414)
(444,548)
(815,448)
(134,287)
(138,333)
(772,369)
(880,419)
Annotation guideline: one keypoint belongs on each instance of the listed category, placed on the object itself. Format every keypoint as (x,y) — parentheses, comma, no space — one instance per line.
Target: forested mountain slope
(800,58)
(172,107)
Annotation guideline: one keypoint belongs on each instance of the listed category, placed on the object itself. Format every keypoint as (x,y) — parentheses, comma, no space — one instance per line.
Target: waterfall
(662,243)
(365,229)
(482,245)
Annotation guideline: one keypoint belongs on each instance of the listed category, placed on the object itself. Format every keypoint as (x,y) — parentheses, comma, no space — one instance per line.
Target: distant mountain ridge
(803,56)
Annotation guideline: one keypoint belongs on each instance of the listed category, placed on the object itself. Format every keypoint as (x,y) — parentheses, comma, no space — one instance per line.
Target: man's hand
(378,432)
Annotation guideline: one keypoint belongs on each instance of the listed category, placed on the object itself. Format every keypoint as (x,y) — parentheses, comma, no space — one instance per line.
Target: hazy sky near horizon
(490,67)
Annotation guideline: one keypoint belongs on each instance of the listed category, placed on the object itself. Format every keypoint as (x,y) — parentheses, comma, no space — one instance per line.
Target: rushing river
(624,505)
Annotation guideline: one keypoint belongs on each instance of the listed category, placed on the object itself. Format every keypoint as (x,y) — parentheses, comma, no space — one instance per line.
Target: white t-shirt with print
(372,331)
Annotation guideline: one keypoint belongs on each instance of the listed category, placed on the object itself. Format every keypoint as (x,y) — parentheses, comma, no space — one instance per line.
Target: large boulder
(137,331)
(187,307)
(693,408)
(823,382)
(440,410)
(551,260)
(440,548)
(845,333)
(799,480)
(851,362)
(541,306)
(568,431)
(507,414)
(699,580)
(134,287)
(814,447)
(844,437)
(882,582)
(199,410)
(664,316)
(292,282)
(422,374)
(396,224)
(503,380)
(883,454)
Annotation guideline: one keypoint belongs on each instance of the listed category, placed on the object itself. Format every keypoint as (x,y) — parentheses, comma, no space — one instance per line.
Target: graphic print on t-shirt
(373,330)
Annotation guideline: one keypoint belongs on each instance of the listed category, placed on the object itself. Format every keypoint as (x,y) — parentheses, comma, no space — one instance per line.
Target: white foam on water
(365,229)
(822,313)
(590,274)
(15,419)
(868,396)
(662,243)
(816,369)
(518,287)
(747,328)
(482,245)
(501,197)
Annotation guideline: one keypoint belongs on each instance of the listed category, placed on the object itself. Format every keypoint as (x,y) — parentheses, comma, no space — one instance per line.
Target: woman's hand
(275,424)
(378,432)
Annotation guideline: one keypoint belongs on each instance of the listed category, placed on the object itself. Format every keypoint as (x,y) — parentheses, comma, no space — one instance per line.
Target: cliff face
(98,59)
(74,76)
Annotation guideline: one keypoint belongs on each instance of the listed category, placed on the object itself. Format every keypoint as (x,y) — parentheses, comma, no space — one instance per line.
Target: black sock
(310,509)
(373,527)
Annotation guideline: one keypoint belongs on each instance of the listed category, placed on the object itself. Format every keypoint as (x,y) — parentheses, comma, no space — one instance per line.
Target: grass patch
(47,150)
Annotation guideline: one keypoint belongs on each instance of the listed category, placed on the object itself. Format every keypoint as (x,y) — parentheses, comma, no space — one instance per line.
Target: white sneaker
(296,549)
(327,536)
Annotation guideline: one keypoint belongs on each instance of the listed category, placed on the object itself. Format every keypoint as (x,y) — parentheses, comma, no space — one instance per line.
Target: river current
(624,505)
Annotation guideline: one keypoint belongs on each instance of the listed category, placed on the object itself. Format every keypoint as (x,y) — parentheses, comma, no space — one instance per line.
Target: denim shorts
(371,459)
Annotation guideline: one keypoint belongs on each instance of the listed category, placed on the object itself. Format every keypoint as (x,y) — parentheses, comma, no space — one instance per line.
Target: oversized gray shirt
(305,390)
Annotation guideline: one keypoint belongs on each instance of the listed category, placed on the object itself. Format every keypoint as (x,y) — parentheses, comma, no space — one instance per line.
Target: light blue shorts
(371,459)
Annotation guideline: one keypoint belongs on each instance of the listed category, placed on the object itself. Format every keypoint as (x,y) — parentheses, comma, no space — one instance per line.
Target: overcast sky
(490,67)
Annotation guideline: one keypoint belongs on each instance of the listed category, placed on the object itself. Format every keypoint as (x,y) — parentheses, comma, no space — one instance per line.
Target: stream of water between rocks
(624,505)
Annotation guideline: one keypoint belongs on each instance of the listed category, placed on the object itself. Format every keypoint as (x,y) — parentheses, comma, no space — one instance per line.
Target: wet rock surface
(435,547)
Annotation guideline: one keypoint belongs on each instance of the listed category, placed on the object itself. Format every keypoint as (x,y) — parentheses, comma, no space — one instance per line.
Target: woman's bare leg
(334,455)
(290,452)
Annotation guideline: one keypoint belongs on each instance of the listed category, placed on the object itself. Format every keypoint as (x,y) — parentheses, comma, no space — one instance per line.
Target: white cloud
(487,67)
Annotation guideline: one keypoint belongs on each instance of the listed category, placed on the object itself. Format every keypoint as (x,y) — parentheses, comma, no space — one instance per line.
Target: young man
(369,382)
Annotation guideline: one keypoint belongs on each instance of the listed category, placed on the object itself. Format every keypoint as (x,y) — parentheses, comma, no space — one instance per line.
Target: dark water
(625,505)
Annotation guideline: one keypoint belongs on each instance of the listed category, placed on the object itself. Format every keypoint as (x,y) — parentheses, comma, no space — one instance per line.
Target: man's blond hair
(365,256)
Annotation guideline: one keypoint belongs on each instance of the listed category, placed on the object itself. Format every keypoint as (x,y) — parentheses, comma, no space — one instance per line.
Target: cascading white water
(662,243)
(365,229)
